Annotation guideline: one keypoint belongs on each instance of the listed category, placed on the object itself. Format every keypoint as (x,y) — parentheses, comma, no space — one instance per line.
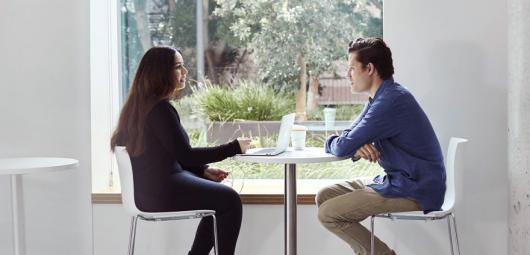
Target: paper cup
(298,136)
(329,117)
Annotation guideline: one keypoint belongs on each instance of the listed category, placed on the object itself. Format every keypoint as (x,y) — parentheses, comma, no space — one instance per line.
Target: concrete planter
(223,132)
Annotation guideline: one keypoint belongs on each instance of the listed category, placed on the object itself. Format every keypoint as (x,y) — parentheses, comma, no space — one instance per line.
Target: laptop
(283,139)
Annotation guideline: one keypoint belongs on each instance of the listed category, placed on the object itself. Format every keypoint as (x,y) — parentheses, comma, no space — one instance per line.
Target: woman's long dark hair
(152,83)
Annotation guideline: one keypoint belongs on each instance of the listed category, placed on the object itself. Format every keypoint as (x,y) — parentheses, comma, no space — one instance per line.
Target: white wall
(44,104)
(452,55)
(261,233)
(519,126)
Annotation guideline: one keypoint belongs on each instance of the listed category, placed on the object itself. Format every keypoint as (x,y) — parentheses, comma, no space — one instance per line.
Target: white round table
(290,158)
(16,167)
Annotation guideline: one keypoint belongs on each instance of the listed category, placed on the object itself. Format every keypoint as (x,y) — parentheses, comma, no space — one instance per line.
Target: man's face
(359,75)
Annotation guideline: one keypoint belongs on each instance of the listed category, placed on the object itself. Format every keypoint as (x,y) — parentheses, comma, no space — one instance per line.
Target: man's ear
(371,68)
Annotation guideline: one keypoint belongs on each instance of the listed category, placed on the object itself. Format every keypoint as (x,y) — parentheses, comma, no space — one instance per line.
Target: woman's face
(180,72)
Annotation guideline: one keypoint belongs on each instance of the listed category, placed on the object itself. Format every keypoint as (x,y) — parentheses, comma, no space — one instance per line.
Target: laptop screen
(285,132)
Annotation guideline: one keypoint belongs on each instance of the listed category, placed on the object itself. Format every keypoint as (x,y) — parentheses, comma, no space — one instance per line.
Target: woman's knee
(230,197)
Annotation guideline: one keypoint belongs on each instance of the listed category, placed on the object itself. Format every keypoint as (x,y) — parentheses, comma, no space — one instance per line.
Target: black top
(168,151)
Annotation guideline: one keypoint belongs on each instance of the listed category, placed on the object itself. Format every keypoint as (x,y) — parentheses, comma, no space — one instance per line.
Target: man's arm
(357,120)
(376,124)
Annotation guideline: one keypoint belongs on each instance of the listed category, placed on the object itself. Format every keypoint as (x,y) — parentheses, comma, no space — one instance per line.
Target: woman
(170,175)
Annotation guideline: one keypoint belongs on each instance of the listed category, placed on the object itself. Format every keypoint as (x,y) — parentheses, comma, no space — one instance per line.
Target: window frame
(106,97)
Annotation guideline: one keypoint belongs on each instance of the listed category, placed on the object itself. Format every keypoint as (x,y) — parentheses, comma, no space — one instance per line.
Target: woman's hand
(215,174)
(368,152)
(244,144)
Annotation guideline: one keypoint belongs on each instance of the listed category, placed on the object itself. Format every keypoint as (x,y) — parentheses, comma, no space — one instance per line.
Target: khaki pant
(342,206)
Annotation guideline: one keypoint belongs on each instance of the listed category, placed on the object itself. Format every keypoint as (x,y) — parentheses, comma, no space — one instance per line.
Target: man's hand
(215,174)
(368,152)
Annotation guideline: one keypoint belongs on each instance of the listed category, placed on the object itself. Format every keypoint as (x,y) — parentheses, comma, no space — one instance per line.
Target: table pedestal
(17,208)
(290,200)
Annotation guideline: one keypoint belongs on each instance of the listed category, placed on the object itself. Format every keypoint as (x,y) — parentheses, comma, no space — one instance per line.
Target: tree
(291,40)
(135,36)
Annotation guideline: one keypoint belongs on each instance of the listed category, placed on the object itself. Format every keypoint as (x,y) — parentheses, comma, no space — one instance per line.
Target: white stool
(447,207)
(127,193)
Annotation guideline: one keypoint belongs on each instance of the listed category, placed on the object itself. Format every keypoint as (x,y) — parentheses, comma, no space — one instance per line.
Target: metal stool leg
(372,236)
(450,235)
(456,234)
(215,244)
(132,234)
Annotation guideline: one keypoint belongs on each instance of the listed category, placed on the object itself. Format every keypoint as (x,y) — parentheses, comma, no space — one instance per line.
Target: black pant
(189,192)
(195,193)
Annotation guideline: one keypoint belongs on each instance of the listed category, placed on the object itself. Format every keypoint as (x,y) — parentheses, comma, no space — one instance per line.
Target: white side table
(290,158)
(16,167)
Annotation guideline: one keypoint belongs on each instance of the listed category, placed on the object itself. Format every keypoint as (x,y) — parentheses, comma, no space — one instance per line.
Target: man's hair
(375,51)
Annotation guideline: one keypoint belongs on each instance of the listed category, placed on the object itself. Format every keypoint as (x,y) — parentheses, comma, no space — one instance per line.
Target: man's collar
(381,89)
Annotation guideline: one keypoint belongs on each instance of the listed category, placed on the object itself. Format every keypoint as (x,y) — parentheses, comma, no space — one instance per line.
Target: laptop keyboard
(265,151)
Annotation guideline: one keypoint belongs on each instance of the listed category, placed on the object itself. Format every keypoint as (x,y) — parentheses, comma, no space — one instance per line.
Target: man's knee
(326,216)
(324,195)
(336,211)
(331,215)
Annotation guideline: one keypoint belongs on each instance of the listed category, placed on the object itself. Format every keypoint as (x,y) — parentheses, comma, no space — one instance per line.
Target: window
(263,59)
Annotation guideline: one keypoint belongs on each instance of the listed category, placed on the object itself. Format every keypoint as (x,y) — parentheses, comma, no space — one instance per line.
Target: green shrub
(248,101)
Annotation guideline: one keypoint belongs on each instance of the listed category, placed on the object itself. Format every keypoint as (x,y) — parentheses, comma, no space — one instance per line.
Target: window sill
(252,191)
(265,199)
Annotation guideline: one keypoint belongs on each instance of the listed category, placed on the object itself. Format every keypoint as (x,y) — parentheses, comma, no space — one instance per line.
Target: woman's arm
(165,123)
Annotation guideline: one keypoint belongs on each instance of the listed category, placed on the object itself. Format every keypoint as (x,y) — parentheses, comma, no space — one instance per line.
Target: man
(392,130)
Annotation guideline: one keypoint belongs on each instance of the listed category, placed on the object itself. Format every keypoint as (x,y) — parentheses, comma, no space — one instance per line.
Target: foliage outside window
(262,59)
